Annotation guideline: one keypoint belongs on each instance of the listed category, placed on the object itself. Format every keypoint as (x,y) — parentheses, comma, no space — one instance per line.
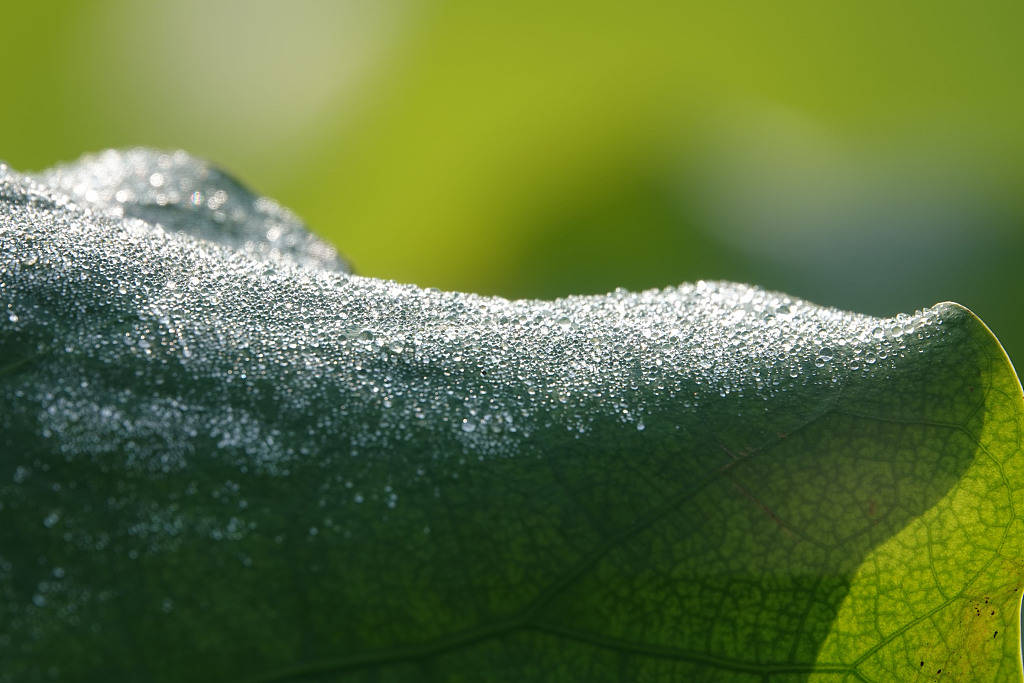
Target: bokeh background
(865,155)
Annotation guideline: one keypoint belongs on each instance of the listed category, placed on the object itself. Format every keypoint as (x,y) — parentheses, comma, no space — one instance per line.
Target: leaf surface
(226,458)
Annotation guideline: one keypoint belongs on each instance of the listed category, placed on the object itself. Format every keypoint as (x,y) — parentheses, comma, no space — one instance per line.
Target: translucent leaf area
(224,458)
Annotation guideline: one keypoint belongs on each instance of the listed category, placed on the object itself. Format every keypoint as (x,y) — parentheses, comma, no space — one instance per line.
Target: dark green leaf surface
(224,458)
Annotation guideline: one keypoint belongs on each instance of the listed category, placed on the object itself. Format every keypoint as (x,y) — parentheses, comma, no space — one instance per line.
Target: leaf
(224,458)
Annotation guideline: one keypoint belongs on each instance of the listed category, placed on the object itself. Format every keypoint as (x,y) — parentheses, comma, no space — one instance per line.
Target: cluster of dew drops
(491,369)
(215,285)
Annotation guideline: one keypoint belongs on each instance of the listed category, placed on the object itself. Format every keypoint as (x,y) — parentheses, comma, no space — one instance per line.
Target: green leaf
(224,458)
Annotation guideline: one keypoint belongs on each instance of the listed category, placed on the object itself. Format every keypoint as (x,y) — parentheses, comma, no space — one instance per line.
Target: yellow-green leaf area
(956,567)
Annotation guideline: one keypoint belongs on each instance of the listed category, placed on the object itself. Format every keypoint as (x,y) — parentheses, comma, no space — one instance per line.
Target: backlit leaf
(222,457)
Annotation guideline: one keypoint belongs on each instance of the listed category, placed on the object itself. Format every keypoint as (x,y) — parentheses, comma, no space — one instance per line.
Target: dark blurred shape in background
(865,155)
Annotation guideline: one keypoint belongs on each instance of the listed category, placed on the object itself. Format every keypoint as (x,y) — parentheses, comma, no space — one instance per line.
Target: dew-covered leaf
(224,458)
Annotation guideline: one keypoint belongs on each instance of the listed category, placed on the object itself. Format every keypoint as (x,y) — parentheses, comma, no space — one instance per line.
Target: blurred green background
(864,155)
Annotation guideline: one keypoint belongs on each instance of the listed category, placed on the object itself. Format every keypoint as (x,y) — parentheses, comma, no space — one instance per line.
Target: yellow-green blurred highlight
(865,155)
